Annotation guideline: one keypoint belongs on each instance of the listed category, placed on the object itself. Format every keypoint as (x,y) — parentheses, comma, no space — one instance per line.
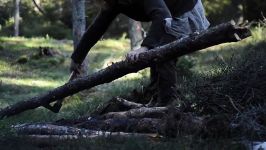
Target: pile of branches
(237,95)
(121,117)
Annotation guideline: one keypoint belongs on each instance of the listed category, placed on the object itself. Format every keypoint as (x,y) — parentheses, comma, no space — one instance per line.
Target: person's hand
(134,54)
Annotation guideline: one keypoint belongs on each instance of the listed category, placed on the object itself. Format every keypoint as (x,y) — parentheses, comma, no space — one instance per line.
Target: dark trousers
(157,12)
(164,76)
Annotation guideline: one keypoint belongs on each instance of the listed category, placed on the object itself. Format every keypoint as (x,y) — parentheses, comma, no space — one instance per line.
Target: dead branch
(153,112)
(116,104)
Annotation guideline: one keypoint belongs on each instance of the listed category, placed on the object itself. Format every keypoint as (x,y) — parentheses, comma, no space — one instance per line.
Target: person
(171,20)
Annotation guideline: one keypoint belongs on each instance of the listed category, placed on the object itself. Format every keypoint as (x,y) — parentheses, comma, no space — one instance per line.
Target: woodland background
(209,80)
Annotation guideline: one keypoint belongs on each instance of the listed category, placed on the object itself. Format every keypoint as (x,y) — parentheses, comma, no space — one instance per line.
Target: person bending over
(171,20)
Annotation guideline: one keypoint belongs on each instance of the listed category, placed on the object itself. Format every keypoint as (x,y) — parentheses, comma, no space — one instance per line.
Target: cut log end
(241,33)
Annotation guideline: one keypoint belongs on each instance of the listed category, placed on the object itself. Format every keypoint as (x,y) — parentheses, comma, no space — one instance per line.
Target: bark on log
(170,124)
(153,112)
(133,125)
(128,104)
(223,33)
(46,130)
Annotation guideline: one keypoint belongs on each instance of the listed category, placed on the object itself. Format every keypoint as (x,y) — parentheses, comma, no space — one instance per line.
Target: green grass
(19,81)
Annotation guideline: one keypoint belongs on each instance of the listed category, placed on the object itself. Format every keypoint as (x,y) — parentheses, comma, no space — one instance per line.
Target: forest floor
(25,73)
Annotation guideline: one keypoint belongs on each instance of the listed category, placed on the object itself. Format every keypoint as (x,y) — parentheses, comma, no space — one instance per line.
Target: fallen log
(158,120)
(223,33)
(46,131)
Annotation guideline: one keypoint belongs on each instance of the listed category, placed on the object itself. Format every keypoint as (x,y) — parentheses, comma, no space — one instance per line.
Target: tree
(135,33)
(79,25)
(16,17)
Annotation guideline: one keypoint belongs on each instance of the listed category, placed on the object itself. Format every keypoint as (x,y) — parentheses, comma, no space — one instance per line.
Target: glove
(134,55)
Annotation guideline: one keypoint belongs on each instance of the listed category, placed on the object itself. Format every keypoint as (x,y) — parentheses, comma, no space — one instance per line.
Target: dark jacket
(140,10)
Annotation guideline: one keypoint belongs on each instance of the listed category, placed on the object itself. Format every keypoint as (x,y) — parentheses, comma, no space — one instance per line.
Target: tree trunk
(135,33)
(223,33)
(16,17)
(79,26)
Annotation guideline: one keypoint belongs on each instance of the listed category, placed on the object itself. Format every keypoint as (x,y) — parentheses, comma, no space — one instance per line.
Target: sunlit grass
(258,33)
(31,82)
(4,66)
(112,45)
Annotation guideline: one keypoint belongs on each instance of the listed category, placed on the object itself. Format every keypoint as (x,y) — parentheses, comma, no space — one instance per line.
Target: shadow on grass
(11,93)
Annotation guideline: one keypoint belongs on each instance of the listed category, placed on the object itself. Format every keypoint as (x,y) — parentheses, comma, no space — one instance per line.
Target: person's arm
(94,33)
(157,11)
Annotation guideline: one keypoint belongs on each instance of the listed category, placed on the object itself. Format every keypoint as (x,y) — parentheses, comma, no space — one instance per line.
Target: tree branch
(38,7)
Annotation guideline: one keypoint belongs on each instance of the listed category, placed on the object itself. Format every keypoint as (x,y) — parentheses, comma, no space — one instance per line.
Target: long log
(223,33)
(46,130)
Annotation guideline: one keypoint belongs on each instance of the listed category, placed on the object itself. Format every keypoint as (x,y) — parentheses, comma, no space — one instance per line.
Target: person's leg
(167,77)
(152,87)
(157,11)
(163,75)
(167,83)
